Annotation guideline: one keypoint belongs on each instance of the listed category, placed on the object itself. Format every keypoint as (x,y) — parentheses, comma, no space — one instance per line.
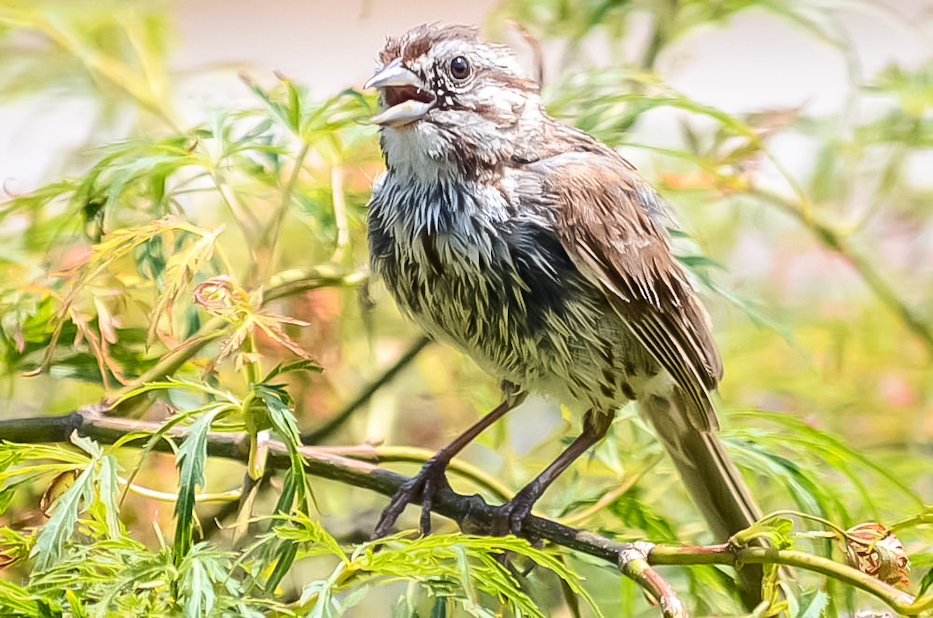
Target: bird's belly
(533,322)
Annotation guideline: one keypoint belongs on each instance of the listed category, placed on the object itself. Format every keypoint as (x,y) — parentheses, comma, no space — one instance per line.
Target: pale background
(332,45)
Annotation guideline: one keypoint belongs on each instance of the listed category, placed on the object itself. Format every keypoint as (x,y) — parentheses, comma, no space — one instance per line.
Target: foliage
(178,262)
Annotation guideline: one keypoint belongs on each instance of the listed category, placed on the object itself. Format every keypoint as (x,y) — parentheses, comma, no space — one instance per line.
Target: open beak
(404,96)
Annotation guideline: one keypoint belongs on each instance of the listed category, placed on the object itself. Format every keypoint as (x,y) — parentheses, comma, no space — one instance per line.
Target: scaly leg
(513,513)
(431,479)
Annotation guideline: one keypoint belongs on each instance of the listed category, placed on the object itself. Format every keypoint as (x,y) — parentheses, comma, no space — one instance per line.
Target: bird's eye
(460,68)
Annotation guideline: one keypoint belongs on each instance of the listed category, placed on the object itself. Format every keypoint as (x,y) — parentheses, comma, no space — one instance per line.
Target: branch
(472,513)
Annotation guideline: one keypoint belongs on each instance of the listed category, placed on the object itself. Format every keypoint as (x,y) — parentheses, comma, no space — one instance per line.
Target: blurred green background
(792,139)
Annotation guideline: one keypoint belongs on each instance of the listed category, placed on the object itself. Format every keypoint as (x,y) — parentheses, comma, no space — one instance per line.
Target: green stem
(899,600)
(832,240)
(270,234)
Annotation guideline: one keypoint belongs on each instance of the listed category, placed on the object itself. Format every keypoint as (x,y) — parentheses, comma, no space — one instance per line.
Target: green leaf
(300,528)
(280,416)
(75,605)
(925,583)
(190,461)
(198,590)
(109,489)
(299,365)
(814,606)
(50,543)
(179,271)
(284,558)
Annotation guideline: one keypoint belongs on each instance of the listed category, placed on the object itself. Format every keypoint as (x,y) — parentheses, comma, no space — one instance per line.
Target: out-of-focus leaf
(180,269)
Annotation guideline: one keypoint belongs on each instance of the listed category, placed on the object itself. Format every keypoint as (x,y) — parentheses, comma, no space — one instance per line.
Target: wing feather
(606,225)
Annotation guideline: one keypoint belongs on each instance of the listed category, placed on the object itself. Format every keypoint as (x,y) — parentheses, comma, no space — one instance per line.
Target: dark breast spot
(545,270)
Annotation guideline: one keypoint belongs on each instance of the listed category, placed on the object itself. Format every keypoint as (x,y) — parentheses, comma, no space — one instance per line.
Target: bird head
(450,102)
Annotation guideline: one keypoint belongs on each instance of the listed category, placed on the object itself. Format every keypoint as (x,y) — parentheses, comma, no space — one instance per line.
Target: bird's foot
(510,517)
(424,486)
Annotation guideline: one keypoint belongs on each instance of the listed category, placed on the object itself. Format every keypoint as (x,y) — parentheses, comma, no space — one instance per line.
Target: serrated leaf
(302,529)
(280,415)
(305,364)
(58,530)
(179,271)
(198,590)
(109,489)
(282,420)
(190,460)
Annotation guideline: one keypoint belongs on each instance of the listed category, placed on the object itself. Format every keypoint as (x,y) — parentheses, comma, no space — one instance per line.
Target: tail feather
(714,483)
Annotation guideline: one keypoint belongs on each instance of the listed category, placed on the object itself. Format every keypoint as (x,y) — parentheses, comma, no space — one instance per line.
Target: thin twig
(319,434)
(340,214)
(271,232)
(633,562)
(830,239)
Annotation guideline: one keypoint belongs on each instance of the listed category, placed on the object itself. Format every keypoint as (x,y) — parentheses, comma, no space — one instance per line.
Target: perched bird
(540,252)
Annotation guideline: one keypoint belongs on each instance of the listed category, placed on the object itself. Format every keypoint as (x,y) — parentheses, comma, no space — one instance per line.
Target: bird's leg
(513,513)
(431,479)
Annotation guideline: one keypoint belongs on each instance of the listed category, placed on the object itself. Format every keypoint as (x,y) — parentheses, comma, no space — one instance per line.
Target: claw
(510,517)
(423,486)
(407,493)
(430,481)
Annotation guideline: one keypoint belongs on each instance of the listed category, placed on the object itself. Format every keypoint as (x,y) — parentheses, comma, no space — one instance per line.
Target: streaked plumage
(541,253)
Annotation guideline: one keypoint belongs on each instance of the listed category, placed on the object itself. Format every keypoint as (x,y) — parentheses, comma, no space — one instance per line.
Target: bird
(541,253)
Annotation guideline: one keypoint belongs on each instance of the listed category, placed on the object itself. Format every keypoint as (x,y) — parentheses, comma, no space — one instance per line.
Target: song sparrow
(542,254)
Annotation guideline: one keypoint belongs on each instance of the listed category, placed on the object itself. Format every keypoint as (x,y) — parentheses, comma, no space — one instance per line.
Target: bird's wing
(606,222)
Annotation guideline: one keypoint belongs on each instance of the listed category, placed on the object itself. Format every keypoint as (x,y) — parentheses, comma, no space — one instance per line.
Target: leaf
(75,605)
(15,598)
(276,402)
(466,562)
(271,325)
(120,244)
(816,604)
(302,529)
(108,490)
(219,408)
(58,530)
(284,558)
(179,270)
(190,461)
(778,531)
(925,583)
(198,590)
(276,408)
(305,364)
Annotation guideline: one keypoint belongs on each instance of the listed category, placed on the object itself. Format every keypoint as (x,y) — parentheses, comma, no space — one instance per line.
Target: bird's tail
(714,483)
